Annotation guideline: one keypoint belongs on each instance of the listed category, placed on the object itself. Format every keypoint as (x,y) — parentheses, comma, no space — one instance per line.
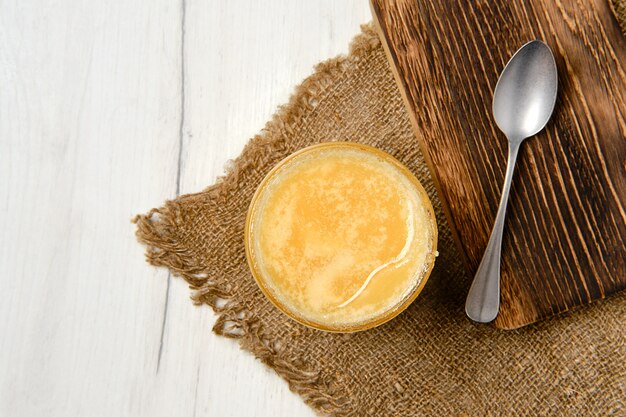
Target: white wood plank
(90,128)
(89,117)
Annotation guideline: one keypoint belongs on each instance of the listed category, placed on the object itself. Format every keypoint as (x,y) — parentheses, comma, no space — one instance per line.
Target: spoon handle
(483,299)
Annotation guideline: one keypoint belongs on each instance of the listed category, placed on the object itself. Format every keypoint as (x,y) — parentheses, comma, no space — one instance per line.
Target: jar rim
(386,315)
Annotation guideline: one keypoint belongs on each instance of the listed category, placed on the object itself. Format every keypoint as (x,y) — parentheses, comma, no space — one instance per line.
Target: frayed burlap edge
(158,231)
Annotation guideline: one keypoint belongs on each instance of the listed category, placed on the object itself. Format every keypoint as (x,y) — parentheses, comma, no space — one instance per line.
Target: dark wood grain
(563,244)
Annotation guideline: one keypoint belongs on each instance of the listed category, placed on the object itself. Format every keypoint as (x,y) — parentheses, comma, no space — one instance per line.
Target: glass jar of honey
(341,236)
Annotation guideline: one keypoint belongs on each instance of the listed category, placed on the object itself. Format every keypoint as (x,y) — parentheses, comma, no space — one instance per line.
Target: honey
(341,236)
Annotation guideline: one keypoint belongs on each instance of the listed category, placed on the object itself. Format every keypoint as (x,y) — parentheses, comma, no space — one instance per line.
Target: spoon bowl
(523,102)
(526,91)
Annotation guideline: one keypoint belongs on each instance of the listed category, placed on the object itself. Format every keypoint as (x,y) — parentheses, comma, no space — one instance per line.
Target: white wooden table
(107,108)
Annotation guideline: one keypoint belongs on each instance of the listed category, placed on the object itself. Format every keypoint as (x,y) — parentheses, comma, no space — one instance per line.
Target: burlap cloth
(431,360)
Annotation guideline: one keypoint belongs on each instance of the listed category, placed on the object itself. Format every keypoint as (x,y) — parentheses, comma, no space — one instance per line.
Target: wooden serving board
(564,237)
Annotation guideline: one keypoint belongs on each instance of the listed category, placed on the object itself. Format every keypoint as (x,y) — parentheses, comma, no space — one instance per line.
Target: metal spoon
(522,105)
